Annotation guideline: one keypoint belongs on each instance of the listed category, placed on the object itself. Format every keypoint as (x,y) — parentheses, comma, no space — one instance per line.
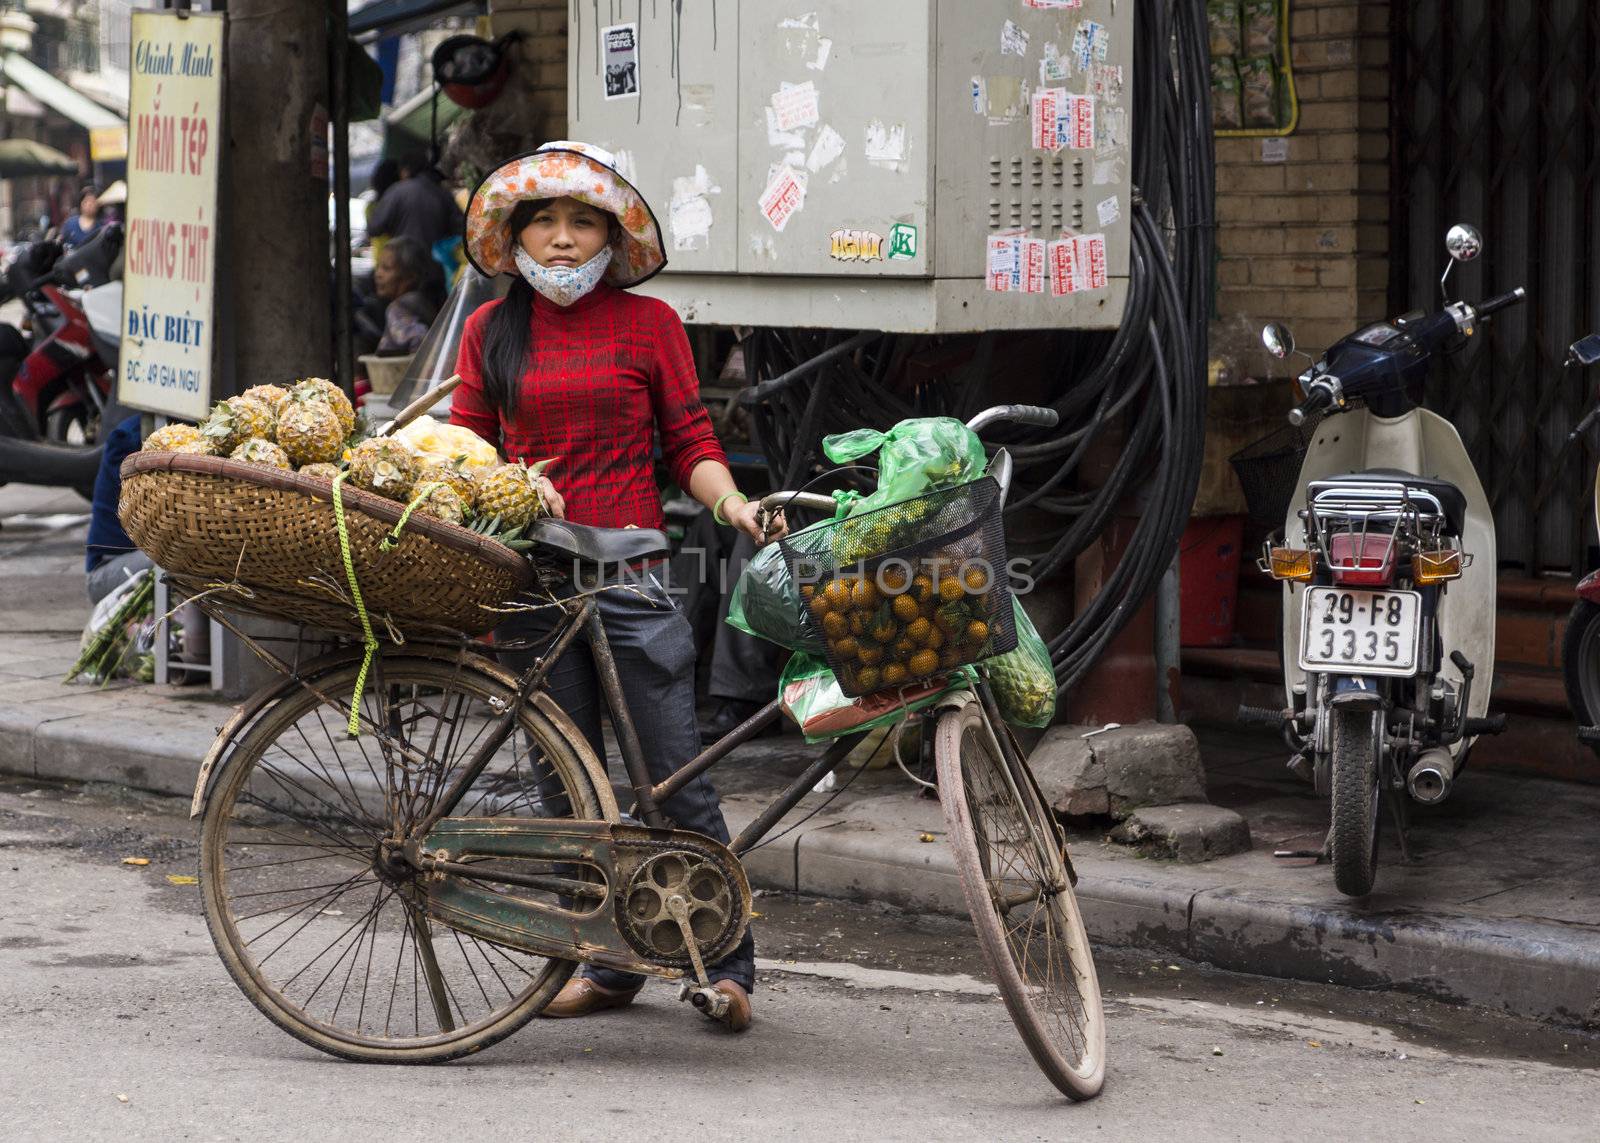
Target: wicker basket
(211,522)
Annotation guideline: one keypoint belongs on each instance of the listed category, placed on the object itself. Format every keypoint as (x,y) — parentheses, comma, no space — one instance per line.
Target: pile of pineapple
(311,428)
(899,624)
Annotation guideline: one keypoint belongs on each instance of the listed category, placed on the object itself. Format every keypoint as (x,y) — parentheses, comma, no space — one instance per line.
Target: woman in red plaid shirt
(571,368)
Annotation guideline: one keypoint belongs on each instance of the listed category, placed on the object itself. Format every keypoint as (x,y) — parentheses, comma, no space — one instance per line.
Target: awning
(391,17)
(57,96)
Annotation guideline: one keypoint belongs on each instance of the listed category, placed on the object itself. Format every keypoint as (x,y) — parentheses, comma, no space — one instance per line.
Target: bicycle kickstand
(1321,855)
(707,999)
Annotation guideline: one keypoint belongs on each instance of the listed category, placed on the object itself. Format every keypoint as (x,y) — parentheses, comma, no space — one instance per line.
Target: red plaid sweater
(603,374)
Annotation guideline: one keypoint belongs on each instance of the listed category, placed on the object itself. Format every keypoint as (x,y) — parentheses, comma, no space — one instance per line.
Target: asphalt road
(117,1021)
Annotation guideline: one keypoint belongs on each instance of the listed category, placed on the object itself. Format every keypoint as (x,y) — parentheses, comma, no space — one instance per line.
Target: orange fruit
(859,622)
(885,631)
(922,587)
(924,663)
(918,631)
(847,648)
(950,657)
(807,590)
(893,578)
(906,608)
(819,606)
(977,631)
(976,580)
(871,655)
(864,594)
(893,675)
(837,593)
(868,679)
(904,648)
(949,589)
(935,637)
(835,625)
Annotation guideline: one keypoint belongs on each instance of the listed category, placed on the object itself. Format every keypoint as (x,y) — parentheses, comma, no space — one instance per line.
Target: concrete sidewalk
(1501,907)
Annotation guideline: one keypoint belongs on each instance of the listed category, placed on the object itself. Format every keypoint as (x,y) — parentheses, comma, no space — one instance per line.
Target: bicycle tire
(238,817)
(995,817)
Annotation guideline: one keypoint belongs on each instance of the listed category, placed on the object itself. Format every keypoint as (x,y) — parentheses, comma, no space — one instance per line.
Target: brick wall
(1305,240)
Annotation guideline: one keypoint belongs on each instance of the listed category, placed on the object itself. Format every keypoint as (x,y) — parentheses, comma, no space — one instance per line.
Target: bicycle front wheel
(327,938)
(1011,859)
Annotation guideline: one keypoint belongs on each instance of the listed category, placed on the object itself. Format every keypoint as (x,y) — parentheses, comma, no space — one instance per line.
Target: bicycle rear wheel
(323,935)
(1010,857)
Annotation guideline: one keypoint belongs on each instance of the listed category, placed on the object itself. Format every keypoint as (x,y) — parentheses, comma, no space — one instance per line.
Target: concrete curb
(1530,969)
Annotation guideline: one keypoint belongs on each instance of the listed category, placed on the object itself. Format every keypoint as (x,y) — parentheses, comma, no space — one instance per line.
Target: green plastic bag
(916,456)
(812,697)
(1024,680)
(766,600)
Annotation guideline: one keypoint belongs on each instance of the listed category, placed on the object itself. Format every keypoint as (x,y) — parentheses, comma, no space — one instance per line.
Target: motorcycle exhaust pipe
(1431,775)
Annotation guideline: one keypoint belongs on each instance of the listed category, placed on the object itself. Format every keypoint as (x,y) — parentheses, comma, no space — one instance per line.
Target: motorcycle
(1388,566)
(57,389)
(1580,648)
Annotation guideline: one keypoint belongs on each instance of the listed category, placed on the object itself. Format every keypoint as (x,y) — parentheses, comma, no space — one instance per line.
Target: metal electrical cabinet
(907,165)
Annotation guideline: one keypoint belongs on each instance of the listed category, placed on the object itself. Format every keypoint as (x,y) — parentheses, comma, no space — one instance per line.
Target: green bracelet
(716,509)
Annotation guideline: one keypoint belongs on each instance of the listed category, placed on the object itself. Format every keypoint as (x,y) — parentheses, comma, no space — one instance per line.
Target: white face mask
(563,285)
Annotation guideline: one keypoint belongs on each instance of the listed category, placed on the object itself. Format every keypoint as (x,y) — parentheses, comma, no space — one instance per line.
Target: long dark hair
(505,340)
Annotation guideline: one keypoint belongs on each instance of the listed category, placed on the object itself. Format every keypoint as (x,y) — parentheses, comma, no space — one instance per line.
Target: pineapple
(236,420)
(269,394)
(310,432)
(442,503)
(321,389)
(385,466)
(457,475)
(174,438)
(1024,679)
(320,471)
(511,494)
(258,451)
(198,447)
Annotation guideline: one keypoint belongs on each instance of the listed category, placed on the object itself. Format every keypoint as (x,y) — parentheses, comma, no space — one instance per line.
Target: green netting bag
(916,456)
(813,698)
(1024,680)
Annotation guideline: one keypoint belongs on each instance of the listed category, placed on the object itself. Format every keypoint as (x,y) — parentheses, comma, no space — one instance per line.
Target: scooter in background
(1580,649)
(1388,566)
(57,389)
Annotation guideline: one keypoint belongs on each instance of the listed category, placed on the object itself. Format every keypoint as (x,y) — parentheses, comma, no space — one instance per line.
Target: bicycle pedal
(1301,767)
(705,998)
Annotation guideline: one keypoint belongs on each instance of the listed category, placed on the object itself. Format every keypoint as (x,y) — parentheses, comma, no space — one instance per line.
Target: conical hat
(564,169)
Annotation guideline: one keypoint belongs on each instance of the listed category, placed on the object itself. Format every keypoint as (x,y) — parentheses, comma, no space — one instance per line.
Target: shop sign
(174,147)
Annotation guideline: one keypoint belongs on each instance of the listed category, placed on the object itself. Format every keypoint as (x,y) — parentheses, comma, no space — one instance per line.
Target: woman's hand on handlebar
(552,499)
(748,517)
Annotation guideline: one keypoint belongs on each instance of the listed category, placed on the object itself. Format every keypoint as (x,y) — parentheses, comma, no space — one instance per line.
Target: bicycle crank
(627,897)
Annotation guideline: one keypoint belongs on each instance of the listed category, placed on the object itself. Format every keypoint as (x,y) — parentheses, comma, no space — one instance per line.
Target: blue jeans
(655,654)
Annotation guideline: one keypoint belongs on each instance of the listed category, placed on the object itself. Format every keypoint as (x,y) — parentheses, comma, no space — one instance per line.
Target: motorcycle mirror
(1278,340)
(1463,243)
(1584,351)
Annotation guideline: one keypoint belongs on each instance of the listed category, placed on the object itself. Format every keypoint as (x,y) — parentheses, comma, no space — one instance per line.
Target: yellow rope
(393,538)
(369,640)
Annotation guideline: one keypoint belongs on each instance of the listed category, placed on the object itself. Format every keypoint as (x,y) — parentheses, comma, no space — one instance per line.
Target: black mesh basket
(910,591)
(1269,471)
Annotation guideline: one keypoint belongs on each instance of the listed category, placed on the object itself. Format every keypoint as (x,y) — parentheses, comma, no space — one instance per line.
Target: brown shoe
(581,996)
(737,1018)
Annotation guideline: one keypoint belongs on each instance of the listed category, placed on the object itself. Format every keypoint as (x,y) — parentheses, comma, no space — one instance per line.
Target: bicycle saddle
(599,545)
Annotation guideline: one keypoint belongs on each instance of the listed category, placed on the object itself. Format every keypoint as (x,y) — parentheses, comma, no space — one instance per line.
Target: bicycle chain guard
(626,925)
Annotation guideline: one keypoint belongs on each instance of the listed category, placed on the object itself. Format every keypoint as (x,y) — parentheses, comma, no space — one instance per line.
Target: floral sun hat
(564,169)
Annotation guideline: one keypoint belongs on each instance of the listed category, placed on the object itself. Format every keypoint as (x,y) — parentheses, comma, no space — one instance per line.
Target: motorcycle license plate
(1360,632)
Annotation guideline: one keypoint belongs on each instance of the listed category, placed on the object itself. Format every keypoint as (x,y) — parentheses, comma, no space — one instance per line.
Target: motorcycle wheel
(1580,662)
(72,428)
(1353,843)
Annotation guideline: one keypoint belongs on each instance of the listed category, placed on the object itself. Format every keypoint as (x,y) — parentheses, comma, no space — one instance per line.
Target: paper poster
(174,117)
(1004,263)
(828,147)
(1109,210)
(1013,39)
(1075,123)
(621,60)
(980,101)
(1048,4)
(795,106)
(1090,44)
(1077,263)
(1033,265)
(886,144)
(1045,112)
(785,195)
(1053,66)
(690,216)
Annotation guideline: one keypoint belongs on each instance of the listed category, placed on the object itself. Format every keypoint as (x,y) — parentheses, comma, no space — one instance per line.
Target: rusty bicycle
(420,891)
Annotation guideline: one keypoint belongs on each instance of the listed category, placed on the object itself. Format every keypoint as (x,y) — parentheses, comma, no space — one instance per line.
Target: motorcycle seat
(1451,498)
(599,545)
